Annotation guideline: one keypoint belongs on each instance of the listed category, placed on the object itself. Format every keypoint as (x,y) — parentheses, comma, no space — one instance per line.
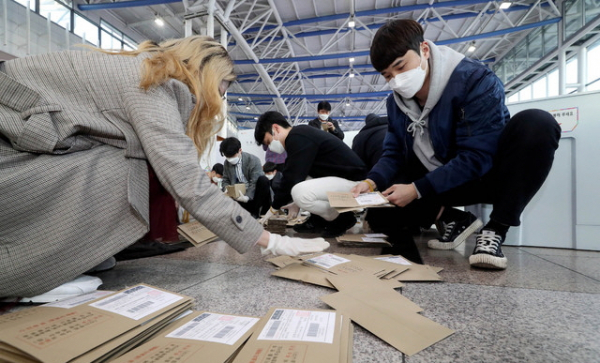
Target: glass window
(513,98)
(32,4)
(536,50)
(525,94)
(550,37)
(67,3)
(593,58)
(594,86)
(111,30)
(571,70)
(591,10)
(108,41)
(539,88)
(57,12)
(553,83)
(129,44)
(573,18)
(86,29)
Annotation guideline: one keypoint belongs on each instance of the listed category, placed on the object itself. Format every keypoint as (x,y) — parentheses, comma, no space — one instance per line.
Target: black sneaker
(456,232)
(488,251)
(340,225)
(314,224)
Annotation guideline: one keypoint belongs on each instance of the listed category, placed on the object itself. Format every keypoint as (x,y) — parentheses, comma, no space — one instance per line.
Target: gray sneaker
(455,233)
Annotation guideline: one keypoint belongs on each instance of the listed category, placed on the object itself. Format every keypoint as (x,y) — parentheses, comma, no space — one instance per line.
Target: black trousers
(261,202)
(525,154)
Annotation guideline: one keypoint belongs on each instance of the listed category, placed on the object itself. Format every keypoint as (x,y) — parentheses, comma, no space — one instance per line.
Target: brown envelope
(299,272)
(59,335)
(345,202)
(365,287)
(318,276)
(415,272)
(338,263)
(397,324)
(361,240)
(125,342)
(196,233)
(293,335)
(195,338)
(235,190)
(282,261)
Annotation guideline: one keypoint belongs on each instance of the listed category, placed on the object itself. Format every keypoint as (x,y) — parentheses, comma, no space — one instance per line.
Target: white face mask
(270,176)
(323,116)
(408,83)
(234,160)
(276,146)
(216,180)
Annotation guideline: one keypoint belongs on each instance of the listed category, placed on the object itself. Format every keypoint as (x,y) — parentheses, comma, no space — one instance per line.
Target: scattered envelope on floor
(392,318)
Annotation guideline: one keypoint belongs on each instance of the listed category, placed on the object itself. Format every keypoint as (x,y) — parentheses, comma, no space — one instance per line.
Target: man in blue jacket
(451,142)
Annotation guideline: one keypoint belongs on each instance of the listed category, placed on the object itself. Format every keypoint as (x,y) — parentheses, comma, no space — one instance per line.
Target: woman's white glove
(288,246)
(270,213)
(292,209)
(242,198)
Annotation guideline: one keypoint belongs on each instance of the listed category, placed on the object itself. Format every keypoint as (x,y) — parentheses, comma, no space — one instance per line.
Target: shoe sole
(483,260)
(437,245)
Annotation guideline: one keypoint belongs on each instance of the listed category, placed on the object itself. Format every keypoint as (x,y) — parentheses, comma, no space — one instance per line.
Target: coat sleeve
(156,118)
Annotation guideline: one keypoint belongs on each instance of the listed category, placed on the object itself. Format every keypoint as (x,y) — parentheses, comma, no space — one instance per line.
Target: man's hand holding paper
(401,194)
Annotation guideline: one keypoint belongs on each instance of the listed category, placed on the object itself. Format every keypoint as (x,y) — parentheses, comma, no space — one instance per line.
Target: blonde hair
(202,64)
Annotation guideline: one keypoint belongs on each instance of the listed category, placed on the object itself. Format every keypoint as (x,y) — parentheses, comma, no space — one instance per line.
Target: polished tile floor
(544,308)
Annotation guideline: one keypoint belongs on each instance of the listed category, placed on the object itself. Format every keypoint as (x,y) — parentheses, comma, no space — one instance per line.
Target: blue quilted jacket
(465,125)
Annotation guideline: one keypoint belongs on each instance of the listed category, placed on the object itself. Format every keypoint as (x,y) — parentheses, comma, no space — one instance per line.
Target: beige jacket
(75,134)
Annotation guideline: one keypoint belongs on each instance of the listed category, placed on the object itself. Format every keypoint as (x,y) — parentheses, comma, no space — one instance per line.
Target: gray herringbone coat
(75,134)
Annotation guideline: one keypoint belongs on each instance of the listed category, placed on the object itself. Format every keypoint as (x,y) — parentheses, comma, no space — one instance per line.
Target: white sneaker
(81,285)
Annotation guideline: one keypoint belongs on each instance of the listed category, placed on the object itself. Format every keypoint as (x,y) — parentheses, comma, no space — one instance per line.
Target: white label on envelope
(375,235)
(217,328)
(78,300)
(395,259)
(137,302)
(327,260)
(300,325)
(374,240)
(370,199)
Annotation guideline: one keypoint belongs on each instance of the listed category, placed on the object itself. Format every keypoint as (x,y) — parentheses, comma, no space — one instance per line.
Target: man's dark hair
(324,105)
(218,168)
(393,40)
(265,124)
(230,146)
(269,167)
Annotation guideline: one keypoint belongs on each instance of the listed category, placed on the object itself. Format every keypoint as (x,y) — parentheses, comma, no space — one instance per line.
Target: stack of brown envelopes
(88,328)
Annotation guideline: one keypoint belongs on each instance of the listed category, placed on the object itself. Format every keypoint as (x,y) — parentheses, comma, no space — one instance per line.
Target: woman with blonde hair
(82,133)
